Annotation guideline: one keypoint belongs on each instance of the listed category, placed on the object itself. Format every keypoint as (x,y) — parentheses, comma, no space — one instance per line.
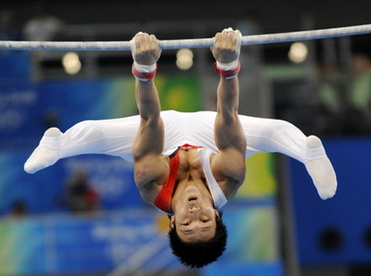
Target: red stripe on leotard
(163,199)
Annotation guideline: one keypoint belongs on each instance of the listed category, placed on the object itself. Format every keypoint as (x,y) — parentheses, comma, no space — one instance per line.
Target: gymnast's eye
(204,220)
(187,223)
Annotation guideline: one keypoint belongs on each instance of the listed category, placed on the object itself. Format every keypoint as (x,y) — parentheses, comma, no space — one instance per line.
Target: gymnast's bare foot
(321,170)
(43,156)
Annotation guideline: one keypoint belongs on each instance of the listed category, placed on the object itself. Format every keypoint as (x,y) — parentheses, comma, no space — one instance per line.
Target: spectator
(42,26)
(331,90)
(50,118)
(8,31)
(358,115)
(81,197)
(252,78)
(18,209)
(251,24)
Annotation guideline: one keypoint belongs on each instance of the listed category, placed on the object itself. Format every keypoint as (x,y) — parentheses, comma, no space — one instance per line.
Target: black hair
(199,254)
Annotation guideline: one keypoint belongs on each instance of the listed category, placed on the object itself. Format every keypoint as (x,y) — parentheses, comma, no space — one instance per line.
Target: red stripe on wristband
(143,75)
(228,73)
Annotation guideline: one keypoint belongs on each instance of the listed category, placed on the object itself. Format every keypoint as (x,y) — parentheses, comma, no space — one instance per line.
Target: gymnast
(188,164)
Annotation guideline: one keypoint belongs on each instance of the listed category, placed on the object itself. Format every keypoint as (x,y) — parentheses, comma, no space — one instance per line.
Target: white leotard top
(216,192)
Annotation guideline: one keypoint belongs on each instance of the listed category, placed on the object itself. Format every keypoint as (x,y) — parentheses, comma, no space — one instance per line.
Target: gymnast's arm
(150,167)
(228,166)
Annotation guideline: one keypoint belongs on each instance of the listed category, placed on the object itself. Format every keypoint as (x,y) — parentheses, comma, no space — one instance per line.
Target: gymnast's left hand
(145,49)
(227,45)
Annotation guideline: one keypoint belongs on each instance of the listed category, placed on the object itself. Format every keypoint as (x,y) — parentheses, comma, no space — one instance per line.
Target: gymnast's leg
(113,137)
(269,135)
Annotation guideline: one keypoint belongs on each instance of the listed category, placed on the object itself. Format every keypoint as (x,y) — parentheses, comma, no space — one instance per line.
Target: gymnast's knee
(88,128)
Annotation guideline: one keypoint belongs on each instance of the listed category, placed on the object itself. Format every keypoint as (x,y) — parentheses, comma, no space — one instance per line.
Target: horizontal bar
(183,43)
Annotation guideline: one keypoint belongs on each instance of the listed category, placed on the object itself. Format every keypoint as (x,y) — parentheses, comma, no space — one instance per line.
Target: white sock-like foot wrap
(44,155)
(320,169)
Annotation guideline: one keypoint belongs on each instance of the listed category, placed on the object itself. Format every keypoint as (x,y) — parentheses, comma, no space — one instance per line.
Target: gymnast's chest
(190,163)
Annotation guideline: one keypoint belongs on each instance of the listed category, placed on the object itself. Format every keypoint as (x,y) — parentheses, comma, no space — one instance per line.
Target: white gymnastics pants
(115,137)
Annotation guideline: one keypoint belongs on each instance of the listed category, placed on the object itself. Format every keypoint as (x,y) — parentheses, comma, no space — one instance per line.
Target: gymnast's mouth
(192,199)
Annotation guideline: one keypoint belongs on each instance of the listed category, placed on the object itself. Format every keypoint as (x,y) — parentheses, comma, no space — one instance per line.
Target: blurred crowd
(41,26)
(344,96)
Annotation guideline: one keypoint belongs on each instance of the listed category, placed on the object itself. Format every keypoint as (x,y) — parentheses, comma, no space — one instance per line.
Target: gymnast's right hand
(227,45)
(145,49)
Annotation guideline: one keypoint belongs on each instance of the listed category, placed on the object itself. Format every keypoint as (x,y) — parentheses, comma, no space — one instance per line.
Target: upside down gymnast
(188,164)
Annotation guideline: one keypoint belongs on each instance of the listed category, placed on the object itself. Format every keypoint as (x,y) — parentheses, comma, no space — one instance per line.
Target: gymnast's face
(194,216)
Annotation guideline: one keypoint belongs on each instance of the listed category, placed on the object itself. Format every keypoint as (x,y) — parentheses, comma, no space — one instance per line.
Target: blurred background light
(184,59)
(298,52)
(71,63)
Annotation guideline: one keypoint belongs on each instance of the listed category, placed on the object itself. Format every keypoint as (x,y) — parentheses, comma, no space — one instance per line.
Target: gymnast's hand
(145,49)
(227,45)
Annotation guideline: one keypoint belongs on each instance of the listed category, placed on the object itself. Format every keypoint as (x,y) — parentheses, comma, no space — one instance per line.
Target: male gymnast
(189,164)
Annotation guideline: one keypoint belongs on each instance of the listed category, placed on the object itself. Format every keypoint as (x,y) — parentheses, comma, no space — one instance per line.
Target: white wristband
(145,68)
(227,66)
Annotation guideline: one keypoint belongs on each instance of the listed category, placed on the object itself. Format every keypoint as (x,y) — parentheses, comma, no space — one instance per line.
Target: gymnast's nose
(194,209)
